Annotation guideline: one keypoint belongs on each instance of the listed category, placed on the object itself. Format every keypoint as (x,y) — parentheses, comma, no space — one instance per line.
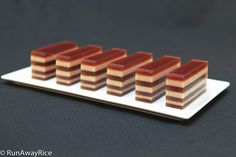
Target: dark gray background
(32,119)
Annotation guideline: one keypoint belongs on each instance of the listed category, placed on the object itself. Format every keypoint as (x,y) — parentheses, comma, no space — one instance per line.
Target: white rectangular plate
(214,88)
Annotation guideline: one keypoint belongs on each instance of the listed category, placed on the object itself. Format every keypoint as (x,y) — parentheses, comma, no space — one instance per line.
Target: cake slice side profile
(150,80)
(121,74)
(43,60)
(94,69)
(186,83)
(68,64)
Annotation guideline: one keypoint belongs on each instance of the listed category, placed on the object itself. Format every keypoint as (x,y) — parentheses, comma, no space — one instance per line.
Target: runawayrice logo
(30,153)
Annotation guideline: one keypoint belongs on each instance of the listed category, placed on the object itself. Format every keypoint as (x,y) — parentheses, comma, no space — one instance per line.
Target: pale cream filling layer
(183,103)
(119,83)
(67,81)
(182,95)
(128,71)
(182,84)
(43,68)
(157,76)
(41,59)
(98,67)
(119,91)
(93,78)
(93,86)
(149,97)
(68,64)
(42,76)
(67,73)
(50,58)
(149,89)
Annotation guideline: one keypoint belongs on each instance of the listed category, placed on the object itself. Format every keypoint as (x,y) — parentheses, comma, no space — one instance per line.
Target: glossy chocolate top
(188,70)
(54,49)
(80,53)
(106,56)
(161,64)
(130,61)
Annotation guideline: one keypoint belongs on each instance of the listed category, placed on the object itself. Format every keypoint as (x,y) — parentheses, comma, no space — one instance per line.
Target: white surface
(214,87)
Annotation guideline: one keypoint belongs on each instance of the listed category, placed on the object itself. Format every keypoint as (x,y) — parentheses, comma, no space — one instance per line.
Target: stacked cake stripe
(186,83)
(94,69)
(150,80)
(121,74)
(68,64)
(43,59)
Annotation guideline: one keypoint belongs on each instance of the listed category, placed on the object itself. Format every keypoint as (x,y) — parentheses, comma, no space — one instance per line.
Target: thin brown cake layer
(150,101)
(68,69)
(63,83)
(187,103)
(179,89)
(40,78)
(89,73)
(122,79)
(148,84)
(120,94)
(150,94)
(120,88)
(43,73)
(53,62)
(68,81)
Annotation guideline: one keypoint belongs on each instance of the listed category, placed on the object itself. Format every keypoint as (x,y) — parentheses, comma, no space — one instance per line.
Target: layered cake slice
(186,83)
(121,73)
(94,69)
(68,64)
(150,79)
(43,60)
